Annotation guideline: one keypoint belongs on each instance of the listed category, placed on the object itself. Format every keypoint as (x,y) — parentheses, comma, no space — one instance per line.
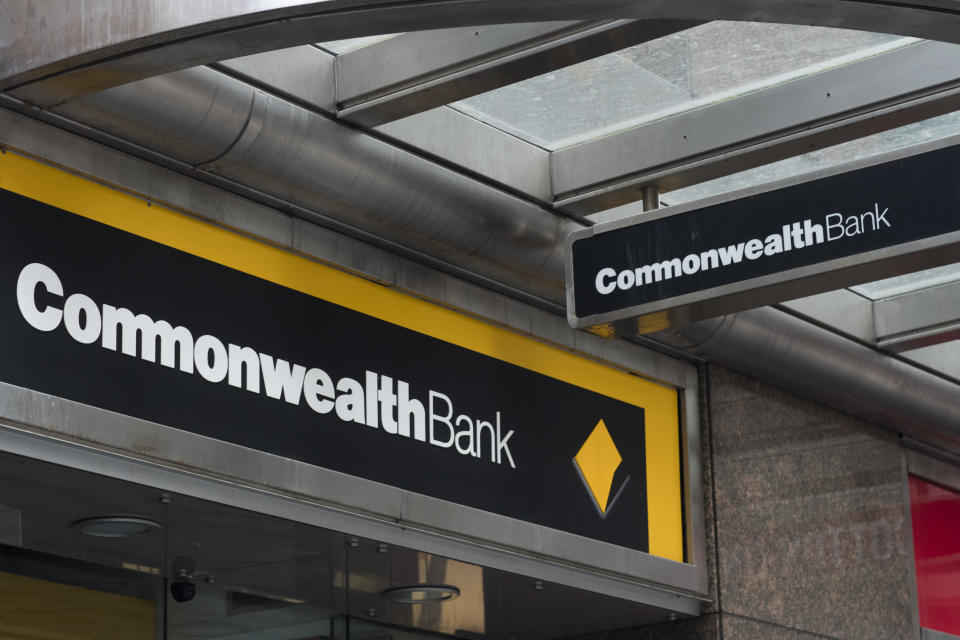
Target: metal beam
(918,319)
(842,311)
(53,51)
(304,74)
(415,72)
(906,85)
(476,147)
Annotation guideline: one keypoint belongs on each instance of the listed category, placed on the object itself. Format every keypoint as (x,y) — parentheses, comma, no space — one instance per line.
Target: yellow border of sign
(118,209)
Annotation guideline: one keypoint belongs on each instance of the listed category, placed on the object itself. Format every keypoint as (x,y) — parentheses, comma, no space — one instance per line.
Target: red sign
(936,546)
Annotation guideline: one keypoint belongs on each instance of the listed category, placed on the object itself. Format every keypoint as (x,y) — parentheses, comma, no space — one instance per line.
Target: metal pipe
(327,167)
(320,164)
(193,116)
(802,358)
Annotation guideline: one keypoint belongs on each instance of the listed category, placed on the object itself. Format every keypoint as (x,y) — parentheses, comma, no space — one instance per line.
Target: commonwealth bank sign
(150,317)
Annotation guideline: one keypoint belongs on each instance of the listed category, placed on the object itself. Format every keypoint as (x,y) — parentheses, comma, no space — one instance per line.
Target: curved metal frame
(55,51)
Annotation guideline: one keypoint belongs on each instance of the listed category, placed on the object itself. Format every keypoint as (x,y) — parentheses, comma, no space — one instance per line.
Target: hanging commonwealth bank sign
(680,264)
(111,302)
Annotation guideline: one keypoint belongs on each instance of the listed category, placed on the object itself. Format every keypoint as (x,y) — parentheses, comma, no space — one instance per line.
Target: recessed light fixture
(116,526)
(422,593)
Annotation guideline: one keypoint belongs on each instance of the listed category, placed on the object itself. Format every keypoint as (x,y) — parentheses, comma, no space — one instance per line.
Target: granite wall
(806,516)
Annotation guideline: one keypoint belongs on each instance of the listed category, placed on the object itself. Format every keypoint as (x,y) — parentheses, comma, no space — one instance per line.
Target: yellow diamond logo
(597,461)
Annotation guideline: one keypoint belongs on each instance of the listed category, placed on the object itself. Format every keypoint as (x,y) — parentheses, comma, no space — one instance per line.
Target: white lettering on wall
(379,401)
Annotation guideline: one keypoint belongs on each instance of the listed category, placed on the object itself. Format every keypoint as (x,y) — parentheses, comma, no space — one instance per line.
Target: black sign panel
(480,432)
(820,235)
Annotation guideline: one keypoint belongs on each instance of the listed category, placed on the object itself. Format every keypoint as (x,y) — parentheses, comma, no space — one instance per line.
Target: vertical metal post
(651,197)
(164,569)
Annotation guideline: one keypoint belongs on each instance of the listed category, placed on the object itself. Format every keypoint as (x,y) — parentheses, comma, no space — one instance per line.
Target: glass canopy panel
(669,75)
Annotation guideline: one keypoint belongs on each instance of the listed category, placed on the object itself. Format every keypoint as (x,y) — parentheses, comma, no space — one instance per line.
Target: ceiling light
(422,593)
(116,526)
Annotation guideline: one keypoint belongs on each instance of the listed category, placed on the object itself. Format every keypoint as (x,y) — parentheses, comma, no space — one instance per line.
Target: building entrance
(87,557)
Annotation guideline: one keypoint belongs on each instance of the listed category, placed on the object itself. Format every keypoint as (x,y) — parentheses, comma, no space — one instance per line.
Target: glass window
(49,597)
(83,556)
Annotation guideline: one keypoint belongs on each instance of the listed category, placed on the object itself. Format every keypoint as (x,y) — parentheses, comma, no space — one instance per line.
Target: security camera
(183,590)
